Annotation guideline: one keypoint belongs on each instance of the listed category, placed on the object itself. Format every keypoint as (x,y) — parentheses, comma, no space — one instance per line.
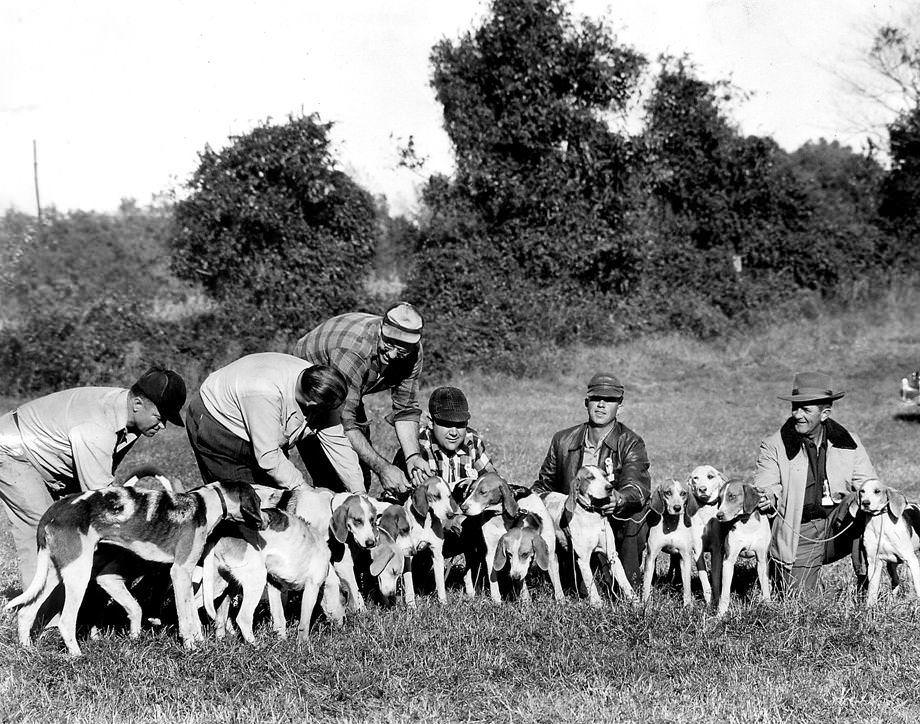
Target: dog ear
(501,556)
(541,552)
(454,505)
(381,555)
(568,510)
(420,499)
(854,504)
(751,496)
(690,507)
(656,502)
(339,523)
(509,504)
(896,503)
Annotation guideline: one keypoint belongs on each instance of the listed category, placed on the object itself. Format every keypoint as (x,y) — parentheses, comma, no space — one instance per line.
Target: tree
(274,231)
(532,224)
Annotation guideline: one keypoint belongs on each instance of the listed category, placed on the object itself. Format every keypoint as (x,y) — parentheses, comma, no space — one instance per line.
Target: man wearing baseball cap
(73,440)
(607,443)
(804,470)
(452,448)
(374,353)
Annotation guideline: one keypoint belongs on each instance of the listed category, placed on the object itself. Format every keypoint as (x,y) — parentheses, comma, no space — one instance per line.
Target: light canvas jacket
(782,471)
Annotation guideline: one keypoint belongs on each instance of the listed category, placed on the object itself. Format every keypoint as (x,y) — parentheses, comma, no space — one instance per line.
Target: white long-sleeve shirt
(76,434)
(254,398)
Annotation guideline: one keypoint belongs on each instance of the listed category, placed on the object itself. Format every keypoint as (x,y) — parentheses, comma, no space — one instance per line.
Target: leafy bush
(273,231)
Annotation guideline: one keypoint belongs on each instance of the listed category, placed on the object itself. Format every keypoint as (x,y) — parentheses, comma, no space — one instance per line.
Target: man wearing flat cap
(452,448)
(374,354)
(804,470)
(607,443)
(73,440)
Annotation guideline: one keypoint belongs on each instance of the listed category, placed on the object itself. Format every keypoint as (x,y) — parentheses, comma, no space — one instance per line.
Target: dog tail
(42,568)
(208,571)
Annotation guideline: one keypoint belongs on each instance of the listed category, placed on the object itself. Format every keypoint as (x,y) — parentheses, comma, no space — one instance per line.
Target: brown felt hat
(812,387)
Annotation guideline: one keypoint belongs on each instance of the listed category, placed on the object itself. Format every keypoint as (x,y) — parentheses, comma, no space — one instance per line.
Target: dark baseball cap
(165,389)
(605,384)
(449,405)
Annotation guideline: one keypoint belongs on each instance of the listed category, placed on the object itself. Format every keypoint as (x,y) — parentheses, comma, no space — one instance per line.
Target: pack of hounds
(234,538)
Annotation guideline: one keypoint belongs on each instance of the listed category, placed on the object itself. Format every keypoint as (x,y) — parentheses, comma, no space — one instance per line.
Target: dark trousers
(320,470)
(220,454)
(630,538)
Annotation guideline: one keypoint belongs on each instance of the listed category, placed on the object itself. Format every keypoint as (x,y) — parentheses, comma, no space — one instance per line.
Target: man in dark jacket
(619,452)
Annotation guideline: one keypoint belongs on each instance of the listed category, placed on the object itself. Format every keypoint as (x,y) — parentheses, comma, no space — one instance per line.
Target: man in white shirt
(73,440)
(247,416)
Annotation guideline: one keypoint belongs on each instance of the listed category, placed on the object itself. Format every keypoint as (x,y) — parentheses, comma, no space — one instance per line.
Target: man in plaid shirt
(374,354)
(454,450)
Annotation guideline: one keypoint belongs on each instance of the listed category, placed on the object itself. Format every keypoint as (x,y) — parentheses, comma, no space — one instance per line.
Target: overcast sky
(121,96)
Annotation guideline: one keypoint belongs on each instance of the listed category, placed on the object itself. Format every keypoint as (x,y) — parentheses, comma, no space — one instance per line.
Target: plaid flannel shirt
(469,461)
(349,342)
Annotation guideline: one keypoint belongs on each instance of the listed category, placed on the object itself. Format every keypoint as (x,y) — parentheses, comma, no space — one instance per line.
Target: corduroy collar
(835,433)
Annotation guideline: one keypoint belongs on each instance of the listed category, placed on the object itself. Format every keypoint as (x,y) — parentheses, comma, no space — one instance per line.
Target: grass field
(818,659)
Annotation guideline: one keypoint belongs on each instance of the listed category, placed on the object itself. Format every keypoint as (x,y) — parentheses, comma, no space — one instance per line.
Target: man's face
(390,351)
(602,410)
(808,417)
(147,418)
(448,435)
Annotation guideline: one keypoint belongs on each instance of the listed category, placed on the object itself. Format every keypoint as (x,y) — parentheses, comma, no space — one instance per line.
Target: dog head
(673,499)
(705,483)
(355,516)
(387,564)
(873,498)
(520,547)
(242,503)
(589,482)
(433,496)
(737,499)
(490,489)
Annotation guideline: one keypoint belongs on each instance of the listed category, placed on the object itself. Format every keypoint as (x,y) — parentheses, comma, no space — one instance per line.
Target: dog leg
(221,627)
(345,569)
(763,575)
(583,563)
(895,579)
(619,576)
(276,608)
(307,604)
(913,566)
(685,576)
(408,584)
(332,598)
(704,578)
(525,593)
(437,561)
(728,571)
(75,576)
(114,585)
(253,584)
(875,581)
(26,616)
(715,571)
(651,559)
(189,625)
(554,577)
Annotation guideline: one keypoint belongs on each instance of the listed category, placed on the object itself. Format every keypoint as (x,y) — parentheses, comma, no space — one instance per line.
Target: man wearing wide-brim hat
(804,470)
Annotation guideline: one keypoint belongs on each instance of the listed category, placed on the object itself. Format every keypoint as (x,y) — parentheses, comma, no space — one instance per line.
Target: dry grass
(817,659)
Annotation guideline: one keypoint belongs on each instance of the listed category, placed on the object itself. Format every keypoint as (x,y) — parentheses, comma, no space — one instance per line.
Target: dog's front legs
(763,575)
(728,570)
(307,604)
(704,577)
(554,575)
(408,585)
(685,575)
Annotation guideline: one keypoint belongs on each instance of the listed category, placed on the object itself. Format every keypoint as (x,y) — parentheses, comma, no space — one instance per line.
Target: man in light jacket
(804,470)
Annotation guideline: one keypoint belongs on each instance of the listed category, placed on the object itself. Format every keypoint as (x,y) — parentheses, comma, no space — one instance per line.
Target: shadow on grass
(908,415)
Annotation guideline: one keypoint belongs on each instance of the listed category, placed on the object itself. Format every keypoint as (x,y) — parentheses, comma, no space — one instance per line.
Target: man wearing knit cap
(452,448)
(73,440)
(804,470)
(619,452)
(374,354)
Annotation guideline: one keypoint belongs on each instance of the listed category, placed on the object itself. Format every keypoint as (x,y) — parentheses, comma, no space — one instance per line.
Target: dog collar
(223,501)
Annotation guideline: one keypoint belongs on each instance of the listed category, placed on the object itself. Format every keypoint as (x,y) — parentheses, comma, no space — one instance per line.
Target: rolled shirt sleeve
(342,456)
(355,369)
(405,394)
(262,420)
(93,450)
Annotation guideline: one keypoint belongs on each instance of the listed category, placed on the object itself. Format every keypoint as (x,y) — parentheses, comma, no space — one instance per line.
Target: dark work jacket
(626,451)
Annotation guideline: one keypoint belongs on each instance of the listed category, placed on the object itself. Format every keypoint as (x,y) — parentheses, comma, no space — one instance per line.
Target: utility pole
(38,203)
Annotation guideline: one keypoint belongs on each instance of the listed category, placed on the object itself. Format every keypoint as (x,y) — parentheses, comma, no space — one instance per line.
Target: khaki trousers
(25,497)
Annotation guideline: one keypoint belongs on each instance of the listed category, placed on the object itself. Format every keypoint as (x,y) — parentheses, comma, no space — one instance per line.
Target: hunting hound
(670,510)
(154,525)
